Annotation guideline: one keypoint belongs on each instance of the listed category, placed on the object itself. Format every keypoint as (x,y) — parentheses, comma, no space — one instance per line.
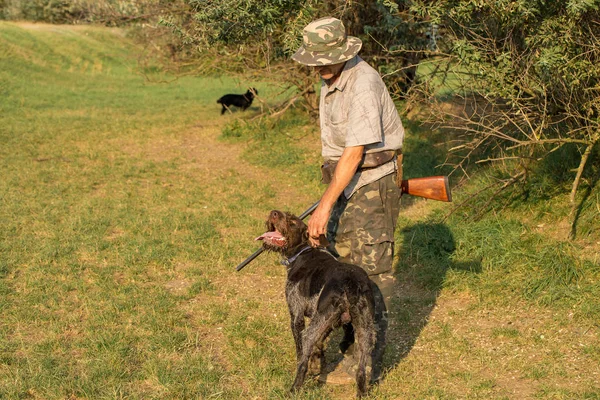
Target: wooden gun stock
(430,187)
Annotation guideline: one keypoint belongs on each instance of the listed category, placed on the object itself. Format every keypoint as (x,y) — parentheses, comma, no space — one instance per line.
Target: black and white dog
(242,101)
(325,290)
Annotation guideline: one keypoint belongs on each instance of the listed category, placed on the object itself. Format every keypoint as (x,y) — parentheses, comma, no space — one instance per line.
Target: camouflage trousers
(361,229)
(361,232)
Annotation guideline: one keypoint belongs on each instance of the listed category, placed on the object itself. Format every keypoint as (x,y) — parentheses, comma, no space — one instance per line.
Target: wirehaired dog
(242,101)
(325,290)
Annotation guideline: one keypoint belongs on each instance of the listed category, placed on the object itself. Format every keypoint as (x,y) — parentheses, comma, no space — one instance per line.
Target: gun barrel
(249,259)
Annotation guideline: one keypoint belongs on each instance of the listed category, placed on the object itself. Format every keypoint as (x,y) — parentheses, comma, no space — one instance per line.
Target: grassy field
(125,206)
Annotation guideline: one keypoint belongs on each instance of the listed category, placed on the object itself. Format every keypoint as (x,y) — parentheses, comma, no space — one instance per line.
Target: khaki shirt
(358,110)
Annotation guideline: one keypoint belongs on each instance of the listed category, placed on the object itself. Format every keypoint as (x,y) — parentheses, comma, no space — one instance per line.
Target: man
(361,136)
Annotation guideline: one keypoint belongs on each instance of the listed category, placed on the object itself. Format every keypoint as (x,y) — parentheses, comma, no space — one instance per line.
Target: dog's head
(285,232)
(251,93)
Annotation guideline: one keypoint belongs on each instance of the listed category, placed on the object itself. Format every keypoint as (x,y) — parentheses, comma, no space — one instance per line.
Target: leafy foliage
(235,22)
(109,12)
(55,11)
(530,76)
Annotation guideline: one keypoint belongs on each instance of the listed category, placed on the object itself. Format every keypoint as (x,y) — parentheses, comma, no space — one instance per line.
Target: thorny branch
(511,110)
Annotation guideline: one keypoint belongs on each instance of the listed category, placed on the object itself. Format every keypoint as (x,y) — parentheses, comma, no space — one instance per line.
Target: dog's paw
(294,389)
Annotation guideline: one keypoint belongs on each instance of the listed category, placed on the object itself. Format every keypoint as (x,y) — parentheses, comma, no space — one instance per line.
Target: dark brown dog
(325,290)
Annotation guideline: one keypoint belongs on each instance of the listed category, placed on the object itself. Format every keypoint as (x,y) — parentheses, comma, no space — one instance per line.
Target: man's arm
(344,171)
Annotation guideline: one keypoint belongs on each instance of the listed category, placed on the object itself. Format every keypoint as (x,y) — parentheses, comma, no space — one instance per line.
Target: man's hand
(317,225)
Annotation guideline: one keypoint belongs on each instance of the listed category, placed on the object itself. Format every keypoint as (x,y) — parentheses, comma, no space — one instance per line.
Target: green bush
(53,11)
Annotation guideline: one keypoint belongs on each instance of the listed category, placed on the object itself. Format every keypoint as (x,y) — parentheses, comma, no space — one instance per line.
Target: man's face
(327,72)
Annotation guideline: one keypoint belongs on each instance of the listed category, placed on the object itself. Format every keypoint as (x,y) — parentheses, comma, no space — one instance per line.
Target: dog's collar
(288,261)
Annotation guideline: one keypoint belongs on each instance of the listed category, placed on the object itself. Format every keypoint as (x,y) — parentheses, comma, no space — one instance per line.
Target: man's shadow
(424,257)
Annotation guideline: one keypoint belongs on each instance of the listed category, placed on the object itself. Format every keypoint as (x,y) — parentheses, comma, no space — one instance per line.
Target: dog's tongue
(273,238)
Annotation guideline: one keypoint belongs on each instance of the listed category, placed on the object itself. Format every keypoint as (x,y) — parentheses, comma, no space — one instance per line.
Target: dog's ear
(305,236)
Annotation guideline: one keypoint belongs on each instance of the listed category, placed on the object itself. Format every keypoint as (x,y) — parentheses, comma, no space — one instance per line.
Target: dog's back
(347,288)
(320,281)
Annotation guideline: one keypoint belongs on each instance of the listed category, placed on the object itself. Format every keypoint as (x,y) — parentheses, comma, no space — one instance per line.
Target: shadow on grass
(249,112)
(425,256)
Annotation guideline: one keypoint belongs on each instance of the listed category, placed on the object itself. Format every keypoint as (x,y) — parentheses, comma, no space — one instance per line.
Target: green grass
(278,144)
(499,259)
(96,221)
(126,204)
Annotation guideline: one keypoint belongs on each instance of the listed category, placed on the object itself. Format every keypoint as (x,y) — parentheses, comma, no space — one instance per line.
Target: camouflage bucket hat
(325,43)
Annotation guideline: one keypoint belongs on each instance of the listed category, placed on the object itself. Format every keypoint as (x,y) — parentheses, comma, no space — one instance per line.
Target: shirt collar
(340,83)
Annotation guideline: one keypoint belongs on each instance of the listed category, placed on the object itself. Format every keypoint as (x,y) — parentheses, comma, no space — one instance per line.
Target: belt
(372,160)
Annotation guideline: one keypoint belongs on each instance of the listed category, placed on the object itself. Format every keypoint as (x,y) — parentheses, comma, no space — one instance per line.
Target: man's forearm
(344,171)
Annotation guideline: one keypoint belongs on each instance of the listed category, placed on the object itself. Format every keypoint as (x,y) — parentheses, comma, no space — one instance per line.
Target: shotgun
(430,187)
